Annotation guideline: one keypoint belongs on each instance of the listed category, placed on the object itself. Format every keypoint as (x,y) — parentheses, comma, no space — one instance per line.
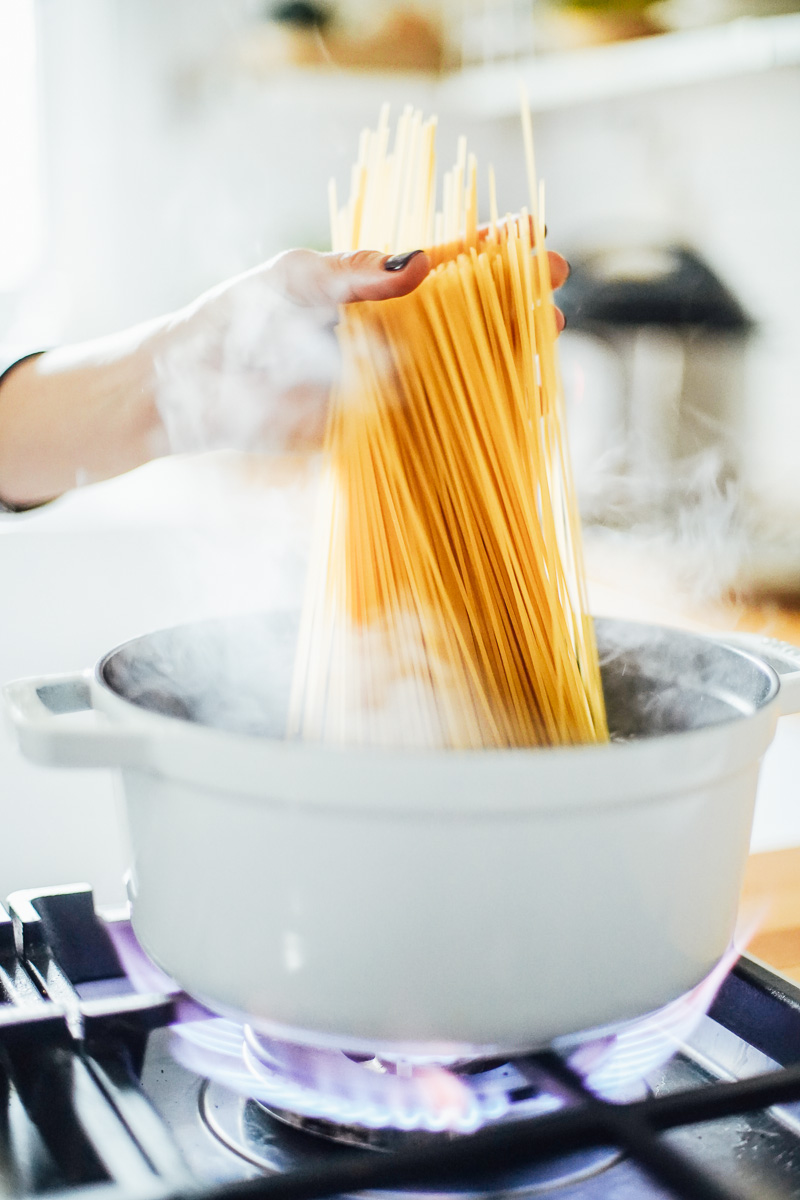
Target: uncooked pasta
(446,601)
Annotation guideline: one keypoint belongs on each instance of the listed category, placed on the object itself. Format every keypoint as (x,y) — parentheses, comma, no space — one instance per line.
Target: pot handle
(784,659)
(38,709)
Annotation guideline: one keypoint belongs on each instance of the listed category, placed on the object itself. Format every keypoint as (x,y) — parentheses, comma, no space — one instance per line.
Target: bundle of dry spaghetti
(446,603)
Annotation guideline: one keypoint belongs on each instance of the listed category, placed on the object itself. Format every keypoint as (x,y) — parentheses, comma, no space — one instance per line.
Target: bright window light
(20,199)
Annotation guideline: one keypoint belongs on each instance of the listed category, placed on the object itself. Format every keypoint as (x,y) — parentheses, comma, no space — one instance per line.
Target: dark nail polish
(398,262)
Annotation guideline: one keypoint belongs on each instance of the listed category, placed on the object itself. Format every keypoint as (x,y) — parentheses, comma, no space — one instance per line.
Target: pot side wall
(508,929)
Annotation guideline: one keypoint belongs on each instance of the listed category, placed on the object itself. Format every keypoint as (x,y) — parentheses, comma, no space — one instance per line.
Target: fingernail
(569,267)
(398,262)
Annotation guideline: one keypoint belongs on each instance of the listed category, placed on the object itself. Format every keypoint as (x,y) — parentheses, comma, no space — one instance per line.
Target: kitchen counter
(771,899)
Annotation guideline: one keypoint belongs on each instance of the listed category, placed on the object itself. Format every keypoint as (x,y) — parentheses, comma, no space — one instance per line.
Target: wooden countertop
(772,881)
(772,888)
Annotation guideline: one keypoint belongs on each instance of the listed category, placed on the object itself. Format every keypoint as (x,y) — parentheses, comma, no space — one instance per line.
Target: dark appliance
(679,337)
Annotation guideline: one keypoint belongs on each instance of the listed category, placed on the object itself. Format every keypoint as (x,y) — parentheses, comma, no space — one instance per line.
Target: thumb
(308,278)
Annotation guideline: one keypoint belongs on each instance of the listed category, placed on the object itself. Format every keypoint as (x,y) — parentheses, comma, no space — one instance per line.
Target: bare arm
(79,414)
(248,366)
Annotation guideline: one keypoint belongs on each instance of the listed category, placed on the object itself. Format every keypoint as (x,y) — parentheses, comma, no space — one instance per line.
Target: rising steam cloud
(252,373)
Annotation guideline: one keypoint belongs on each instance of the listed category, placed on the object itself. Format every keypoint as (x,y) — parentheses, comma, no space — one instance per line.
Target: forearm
(79,414)
(247,366)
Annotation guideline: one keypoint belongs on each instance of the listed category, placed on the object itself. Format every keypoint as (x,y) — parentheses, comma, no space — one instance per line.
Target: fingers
(325,280)
(559,273)
(389,277)
(559,268)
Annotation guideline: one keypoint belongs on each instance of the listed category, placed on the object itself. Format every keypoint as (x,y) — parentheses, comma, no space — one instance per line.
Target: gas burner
(95,1096)
(336,1091)
(334,1103)
(284,1142)
(375,1103)
(362,1136)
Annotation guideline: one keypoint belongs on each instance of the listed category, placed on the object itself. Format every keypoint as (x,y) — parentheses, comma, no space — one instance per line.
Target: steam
(657,443)
(681,534)
(231,674)
(235,674)
(385,687)
(249,371)
(250,364)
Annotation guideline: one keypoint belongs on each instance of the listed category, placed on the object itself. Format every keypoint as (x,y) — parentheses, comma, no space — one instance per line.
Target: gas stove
(117,1085)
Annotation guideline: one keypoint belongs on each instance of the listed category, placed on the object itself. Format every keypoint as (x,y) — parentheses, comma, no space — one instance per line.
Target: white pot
(426,902)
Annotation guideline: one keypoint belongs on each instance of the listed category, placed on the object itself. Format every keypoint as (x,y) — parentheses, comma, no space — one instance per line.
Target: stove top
(101,1098)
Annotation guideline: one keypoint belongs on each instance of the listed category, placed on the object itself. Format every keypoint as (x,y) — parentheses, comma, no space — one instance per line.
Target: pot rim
(478,783)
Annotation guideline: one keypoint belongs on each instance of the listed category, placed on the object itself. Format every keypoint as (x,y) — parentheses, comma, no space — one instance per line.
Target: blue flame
(614,1066)
(375,1094)
(408,1094)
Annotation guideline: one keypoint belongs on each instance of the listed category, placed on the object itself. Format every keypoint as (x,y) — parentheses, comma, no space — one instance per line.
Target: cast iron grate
(75,1061)
(475,1160)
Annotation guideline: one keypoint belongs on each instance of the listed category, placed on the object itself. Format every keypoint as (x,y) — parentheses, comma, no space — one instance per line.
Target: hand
(559,273)
(249,365)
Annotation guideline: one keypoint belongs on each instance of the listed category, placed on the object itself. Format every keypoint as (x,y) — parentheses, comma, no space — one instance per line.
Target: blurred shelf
(744,46)
(747,45)
(323,89)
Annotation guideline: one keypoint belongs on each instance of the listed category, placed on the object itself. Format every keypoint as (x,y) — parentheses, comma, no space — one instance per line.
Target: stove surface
(99,1097)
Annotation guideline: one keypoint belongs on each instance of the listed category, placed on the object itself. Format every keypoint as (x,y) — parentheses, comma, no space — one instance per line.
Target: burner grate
(476,1160)
(73,1045)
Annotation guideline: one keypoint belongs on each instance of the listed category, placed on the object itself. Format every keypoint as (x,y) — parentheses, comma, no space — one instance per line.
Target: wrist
(79,414)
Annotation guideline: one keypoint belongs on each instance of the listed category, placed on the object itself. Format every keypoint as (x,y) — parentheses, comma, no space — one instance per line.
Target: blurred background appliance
(674,410)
